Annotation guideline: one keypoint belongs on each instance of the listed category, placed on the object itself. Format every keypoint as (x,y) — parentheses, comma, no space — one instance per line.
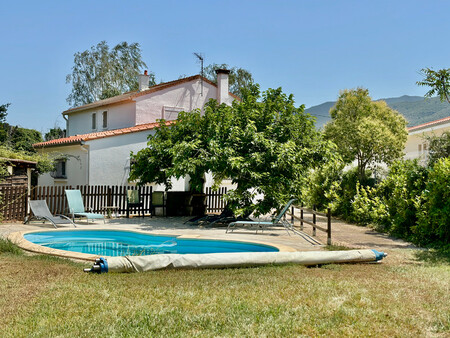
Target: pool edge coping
(18,239)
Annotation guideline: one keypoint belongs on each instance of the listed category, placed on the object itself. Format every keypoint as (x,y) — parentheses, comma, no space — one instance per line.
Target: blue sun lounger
(76,206)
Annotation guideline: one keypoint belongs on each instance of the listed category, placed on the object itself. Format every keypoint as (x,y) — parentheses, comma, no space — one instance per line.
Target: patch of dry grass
(399,297)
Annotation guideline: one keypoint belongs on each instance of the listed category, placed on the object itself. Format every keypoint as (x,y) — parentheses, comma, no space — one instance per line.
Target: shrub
(367,207)
(433,207)
(348,191)
(323,187)
(411,202)
(439,147)
(399,190)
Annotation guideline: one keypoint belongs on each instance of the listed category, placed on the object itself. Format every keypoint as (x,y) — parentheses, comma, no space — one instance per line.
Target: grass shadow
(434,256)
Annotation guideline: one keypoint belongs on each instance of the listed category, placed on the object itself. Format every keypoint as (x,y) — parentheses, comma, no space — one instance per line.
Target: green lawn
(403,296)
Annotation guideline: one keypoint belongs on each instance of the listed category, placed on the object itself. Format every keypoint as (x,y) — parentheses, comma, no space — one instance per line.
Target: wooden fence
(95,197)
(314,214)
(14,203)
(214,199)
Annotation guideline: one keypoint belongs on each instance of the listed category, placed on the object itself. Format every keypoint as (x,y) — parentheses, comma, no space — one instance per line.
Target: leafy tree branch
(438,81)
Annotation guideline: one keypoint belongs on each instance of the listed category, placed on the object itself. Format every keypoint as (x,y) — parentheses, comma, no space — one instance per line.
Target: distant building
(416,145)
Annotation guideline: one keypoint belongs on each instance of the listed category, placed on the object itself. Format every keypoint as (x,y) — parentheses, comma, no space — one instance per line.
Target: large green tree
(264,144)
(438,81)
(239,78)
(100,72)
(366,131)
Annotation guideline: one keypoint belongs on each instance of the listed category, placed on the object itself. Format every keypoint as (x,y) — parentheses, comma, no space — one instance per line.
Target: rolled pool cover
(235,259)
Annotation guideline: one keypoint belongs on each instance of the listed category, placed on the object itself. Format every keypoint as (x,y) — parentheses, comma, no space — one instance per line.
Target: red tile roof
(428,124)
(78,139)
(131,95)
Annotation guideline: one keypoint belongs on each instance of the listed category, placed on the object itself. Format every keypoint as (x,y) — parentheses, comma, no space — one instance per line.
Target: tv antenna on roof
(200,58)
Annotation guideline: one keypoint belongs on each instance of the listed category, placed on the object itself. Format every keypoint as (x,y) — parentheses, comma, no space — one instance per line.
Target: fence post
(151,202)
(314,220)
(301,218)
(329,226)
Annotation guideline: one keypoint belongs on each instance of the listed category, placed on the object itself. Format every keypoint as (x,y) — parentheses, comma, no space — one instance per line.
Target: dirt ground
(357,237)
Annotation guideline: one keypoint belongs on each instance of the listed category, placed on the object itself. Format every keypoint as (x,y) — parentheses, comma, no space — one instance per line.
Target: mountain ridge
(416,109)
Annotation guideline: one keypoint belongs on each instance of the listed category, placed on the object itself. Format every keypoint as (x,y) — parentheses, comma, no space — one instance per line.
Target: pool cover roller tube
(238,259)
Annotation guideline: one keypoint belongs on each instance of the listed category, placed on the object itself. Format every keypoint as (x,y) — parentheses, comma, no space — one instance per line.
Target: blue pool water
(127,243)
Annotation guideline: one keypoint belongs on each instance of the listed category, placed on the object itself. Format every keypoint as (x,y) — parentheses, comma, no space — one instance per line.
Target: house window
(94,121)
(105,119)
(423,148)
(60,169)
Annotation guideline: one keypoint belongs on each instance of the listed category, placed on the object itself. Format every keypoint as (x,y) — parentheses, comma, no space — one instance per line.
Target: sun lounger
(262,225)
(76,206)
(42,213)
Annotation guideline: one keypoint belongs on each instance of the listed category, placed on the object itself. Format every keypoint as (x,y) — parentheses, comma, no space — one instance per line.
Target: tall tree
(21,139)
(438,81)
(15,137)
(3,112)
(366,131)
(239,78)
(264,144)
(54,133)
(100,72)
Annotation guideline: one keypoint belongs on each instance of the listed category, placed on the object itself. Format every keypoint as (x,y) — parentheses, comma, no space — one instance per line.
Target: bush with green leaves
(368,207)
(323,188)
(433,207)
(412,202)
(438,147)
(44,161)
(399,190)
(348,191)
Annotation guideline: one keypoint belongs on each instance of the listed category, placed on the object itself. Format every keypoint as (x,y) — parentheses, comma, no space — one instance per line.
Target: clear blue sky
(312,49)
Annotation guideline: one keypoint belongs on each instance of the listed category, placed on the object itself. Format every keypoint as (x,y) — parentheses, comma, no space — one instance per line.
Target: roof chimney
(222,85)
(144,80)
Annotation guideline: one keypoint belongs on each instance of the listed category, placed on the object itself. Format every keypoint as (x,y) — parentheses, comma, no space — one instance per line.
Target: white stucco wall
(186,96)
(147,108)
(119,116)
(76,166)
(110,159)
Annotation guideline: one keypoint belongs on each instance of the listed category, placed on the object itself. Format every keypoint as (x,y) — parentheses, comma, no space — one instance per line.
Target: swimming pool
(129,243)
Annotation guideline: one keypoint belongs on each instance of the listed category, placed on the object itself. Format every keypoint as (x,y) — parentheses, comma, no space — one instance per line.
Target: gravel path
(353,236)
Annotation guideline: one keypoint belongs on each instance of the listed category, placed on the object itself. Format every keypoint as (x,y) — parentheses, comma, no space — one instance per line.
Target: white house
(416,145)
(101,135)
